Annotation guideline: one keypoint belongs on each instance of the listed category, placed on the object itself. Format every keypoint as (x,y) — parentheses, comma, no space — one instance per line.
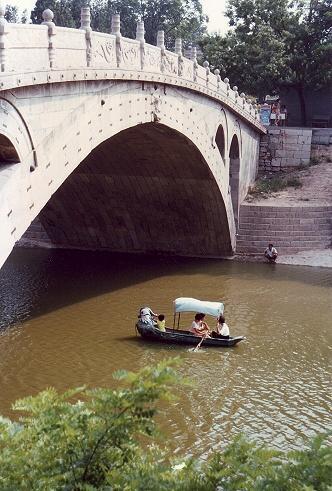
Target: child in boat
(222,328)
(161,322)
(199,327)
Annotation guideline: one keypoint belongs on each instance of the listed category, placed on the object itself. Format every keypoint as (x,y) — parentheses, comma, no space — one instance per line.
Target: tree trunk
(300,93)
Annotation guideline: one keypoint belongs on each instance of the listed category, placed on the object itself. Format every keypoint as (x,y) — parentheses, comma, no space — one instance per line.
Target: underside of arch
(234,175)
(8,153)
(147,189)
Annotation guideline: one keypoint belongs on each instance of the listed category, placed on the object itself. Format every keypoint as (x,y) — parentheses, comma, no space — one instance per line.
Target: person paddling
(199,327)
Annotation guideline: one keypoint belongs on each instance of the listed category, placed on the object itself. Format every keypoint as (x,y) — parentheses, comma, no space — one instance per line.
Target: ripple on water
(67,319)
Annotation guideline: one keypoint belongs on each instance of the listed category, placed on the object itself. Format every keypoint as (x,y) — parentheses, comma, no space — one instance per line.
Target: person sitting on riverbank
(161,322)
(271,253)
(146,315)
(222,328)
(199,327)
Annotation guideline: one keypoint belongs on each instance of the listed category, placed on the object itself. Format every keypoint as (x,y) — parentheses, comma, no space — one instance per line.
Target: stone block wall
(321,136)
(290,229)
(282,148)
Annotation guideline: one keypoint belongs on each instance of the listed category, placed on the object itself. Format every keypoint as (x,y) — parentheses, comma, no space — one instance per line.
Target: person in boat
(161,322)
(199,327)
(222,328)
(146,315)
(271,253)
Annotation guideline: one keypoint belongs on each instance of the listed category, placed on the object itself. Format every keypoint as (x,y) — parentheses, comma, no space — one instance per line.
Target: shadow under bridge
(146,189)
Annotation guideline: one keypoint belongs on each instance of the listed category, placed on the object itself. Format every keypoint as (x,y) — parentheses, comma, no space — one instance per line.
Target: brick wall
(282,148)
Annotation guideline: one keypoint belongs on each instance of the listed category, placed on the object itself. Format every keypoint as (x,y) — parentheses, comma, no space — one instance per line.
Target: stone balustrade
(37,54)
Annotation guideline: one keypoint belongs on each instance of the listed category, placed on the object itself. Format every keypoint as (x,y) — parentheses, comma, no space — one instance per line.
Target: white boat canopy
(184,304)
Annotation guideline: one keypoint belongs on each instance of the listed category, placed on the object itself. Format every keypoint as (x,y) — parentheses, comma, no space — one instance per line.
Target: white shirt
(271,252)
(146,315)
(223,329)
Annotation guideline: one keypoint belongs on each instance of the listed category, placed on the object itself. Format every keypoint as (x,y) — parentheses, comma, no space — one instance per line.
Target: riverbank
(316,258)
(314,189)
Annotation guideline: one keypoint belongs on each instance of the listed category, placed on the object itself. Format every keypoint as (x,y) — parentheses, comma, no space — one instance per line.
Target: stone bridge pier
(117,145)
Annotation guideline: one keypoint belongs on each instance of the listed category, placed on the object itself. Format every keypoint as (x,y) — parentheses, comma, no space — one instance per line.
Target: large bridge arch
(146,189)
(81,118)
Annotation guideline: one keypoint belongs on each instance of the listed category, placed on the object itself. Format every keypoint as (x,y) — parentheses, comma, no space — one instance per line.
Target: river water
(67,319)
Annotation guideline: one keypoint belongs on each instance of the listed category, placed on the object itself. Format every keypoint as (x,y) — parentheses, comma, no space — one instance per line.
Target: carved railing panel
(130,53)
(27,48)
(169,63)
(103,50)
(152,61)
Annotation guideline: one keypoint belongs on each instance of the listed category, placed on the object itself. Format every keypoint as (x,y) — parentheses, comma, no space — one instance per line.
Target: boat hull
(176,336)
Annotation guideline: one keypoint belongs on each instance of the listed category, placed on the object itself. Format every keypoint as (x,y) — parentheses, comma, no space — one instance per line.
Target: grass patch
(268,185)
(293,182)
(314,161)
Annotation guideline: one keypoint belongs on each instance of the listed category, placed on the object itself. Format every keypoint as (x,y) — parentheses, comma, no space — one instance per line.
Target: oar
(199,344)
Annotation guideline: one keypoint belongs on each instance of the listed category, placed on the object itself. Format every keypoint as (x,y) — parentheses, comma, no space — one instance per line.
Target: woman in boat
(222,328)
(199,327)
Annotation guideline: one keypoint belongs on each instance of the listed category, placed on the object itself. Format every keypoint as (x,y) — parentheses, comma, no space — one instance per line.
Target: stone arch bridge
(119,145)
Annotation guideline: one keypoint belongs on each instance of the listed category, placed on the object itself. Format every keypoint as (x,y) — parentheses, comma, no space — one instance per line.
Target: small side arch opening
(234,176)
(220,141)
(8,153)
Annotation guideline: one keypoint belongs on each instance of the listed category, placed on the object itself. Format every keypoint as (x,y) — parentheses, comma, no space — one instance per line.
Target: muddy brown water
(67,319)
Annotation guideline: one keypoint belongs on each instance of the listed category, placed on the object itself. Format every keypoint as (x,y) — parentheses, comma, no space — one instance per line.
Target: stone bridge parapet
(42,54)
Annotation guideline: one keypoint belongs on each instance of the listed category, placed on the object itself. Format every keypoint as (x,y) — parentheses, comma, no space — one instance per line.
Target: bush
(265,186)
(97,442)
(314,161)
(294,182)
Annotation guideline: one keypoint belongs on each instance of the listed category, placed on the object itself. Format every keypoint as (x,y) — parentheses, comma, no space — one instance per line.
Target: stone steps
(290,229)
(284,227)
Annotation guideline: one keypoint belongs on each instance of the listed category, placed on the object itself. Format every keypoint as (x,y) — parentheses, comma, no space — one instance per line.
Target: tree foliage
(275,44)
(101,439)
(64,11)
(178,18)
(11,13)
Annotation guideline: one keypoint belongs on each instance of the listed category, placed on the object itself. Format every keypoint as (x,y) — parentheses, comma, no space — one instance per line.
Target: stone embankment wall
(282,148)
(290,229)
(321,144)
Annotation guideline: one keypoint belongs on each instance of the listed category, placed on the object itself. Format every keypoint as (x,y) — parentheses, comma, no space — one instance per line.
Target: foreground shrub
(99,442)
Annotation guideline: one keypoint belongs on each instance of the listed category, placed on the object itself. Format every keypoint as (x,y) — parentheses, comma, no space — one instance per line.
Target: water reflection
(67,318)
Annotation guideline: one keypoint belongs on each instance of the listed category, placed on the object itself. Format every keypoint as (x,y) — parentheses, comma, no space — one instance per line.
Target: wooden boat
(178,336)
(185,337)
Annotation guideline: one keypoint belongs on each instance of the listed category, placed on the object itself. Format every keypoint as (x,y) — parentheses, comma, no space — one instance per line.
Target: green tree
(252,54)
(254,66)
(62,9)
(178,18)
(308,44)
(11,13)
(25,17)
(275,44)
